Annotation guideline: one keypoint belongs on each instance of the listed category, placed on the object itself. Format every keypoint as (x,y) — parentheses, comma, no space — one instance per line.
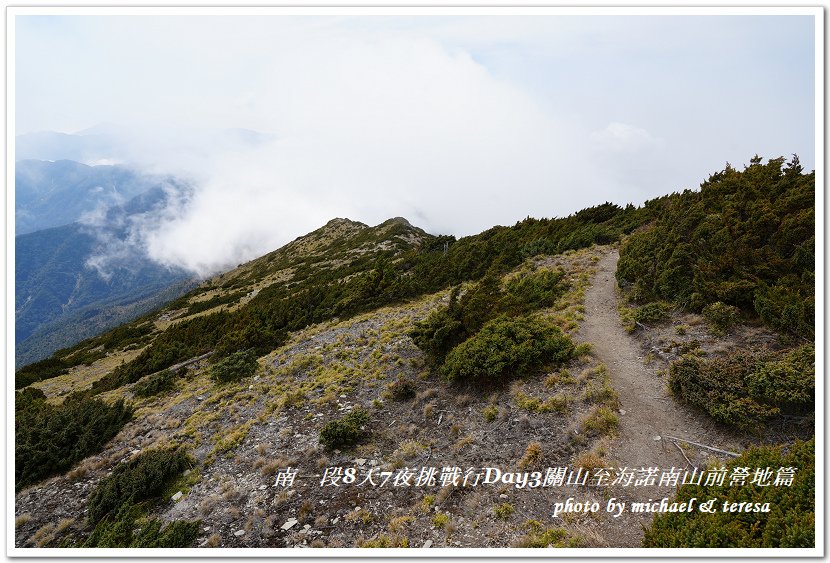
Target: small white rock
(502,496)
(263,487)
(428,544)
(239,533)
(657,438)
(177,496)
(622,412)
(290,523)
(360,461)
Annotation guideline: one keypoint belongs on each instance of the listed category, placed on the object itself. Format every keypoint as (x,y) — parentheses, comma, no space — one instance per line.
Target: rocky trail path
(647,412)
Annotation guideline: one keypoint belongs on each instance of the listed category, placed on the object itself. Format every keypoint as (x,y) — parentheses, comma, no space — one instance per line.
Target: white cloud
(367,129)
(625,138)
(456,123)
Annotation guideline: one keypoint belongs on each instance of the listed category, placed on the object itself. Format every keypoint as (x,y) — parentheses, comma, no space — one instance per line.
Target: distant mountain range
(51,194)
(51,145)
(55,287)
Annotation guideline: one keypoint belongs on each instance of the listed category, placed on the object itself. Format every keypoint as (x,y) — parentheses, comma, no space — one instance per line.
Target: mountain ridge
(386,349)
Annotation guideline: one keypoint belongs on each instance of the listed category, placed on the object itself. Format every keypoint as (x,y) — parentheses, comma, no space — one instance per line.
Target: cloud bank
(365,118)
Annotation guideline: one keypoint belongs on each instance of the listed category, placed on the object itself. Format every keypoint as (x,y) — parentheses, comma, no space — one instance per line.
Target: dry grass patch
(44,536)
(464,442)
(397,523)
(590,461)
(533,456)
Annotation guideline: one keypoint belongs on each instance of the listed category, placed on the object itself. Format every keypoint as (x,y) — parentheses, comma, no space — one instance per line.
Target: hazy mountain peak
(343,221)
(397,221)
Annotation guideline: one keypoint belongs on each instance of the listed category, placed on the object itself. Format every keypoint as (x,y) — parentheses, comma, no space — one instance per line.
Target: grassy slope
(272,420)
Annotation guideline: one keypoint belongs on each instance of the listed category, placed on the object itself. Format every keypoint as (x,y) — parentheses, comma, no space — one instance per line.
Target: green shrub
(155,384)
(29,399)
(345,431)
(503,511)
(446,328)
(745,239)
(507,347)
(747,388)
(49,439)
(717,387)
(539,246)
(402,389)
(439,333)
(40,370)
(789,523)
(490,413)
(720,317)
(178,533)
(144,477)
(532,290)
(788,382)
(786,305)
(235,367)
(129,528)
(652,312)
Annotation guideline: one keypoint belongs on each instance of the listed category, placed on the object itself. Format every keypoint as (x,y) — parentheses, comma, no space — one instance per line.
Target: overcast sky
(457,123)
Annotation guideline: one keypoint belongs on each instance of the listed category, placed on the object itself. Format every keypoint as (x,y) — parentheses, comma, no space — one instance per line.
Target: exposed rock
(290,523)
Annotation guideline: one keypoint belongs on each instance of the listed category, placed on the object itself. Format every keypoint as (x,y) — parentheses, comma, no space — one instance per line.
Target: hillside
(352,388)
(337,249)
(60,299)
(241,434)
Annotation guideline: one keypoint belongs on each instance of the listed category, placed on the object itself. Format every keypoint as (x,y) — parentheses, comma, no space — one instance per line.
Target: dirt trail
(648,409)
